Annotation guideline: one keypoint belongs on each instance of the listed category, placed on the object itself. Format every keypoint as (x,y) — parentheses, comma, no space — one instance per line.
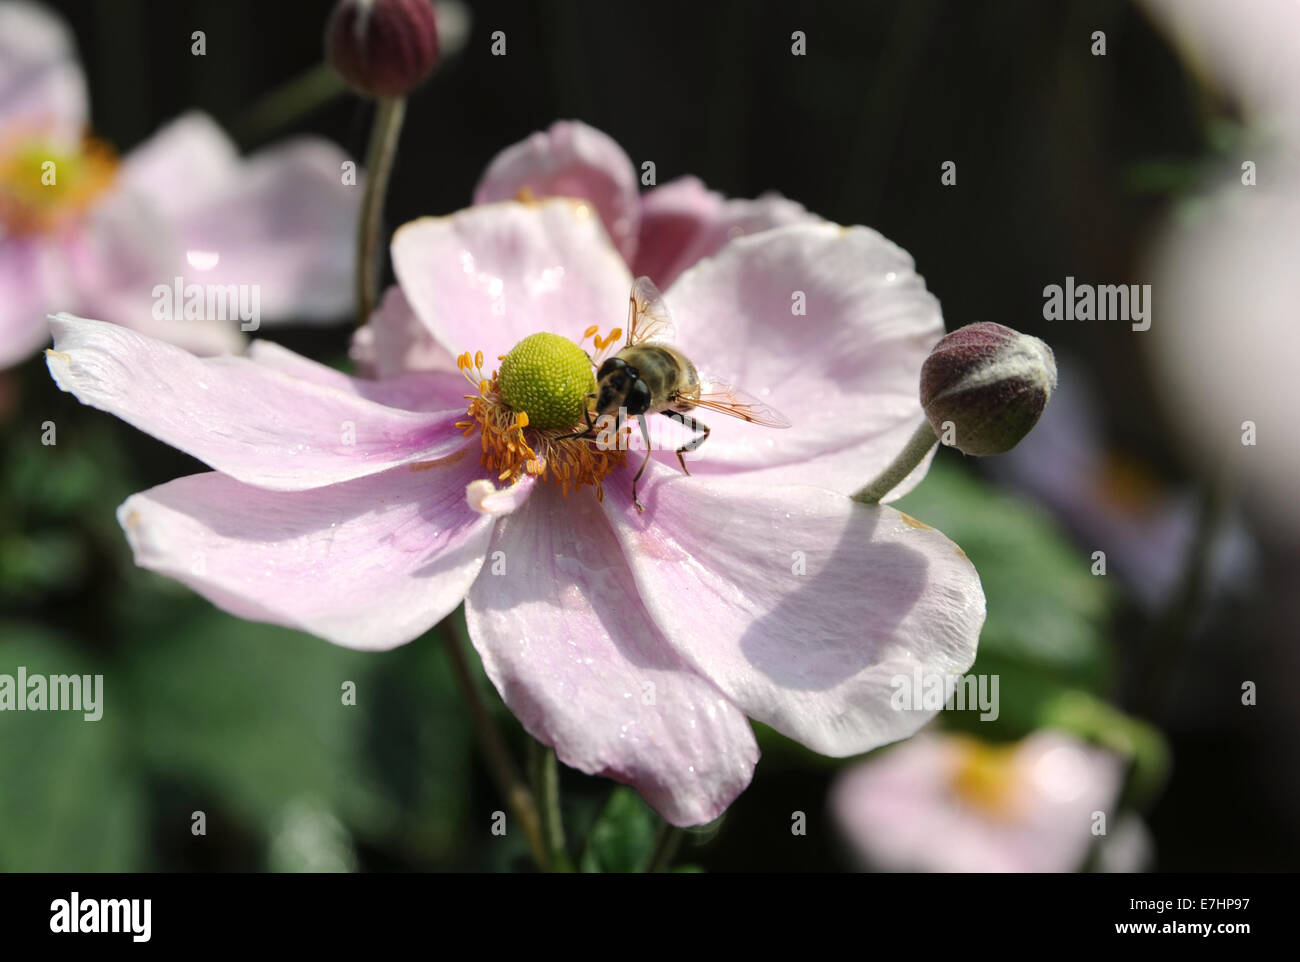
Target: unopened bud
(382,48)
(984,386)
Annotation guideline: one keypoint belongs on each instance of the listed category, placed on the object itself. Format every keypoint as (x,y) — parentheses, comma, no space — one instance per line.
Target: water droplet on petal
(202,260)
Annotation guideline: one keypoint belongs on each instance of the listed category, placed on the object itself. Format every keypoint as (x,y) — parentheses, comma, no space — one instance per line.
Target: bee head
(621,386)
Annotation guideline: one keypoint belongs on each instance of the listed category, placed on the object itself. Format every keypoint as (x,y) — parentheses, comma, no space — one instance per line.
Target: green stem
(546,787)
(665,850)
(1174,626)
(918,446)
(282,106)
(512,788)
(379,165)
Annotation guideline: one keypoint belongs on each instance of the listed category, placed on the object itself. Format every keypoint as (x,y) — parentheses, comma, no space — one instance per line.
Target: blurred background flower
(84,230)
(952,803)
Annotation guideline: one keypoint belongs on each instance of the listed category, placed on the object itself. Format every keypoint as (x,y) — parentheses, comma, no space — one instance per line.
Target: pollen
(515,444)
(985,777)
(43,186)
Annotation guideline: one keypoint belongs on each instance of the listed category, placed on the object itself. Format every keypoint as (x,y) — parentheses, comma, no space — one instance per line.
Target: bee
(649,375)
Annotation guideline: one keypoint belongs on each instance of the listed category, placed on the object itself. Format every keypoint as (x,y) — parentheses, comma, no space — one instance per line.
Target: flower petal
(413,391)
(800,604)
(486,498)
(487,277)
(123,260)
(846,373)
(41,83)
(32,274)
(370,564)
(570,159)
(182,166)
(683,222)
(282,223)
(250,421)
(396,341)
(901,811)
(568,644)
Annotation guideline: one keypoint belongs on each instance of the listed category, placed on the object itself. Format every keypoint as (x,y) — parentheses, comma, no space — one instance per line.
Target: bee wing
(648,317)
(717,395)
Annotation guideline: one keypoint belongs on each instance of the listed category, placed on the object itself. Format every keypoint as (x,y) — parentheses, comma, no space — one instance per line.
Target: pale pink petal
(32,276)
(246,419)
(124,267)
(846,373)
(413,391)
(683,222)
(182,167)
(570,159)
(396,341)
(42,87)
(283,224)
(371,563)
(1222,346)
(800,604)
(486,277)
(568,644)
(902,810)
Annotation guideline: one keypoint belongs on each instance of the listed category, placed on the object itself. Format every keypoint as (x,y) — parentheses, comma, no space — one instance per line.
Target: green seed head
(548,377)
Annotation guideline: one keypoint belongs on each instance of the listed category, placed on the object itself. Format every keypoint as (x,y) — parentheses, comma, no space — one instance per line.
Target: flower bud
(984,386)
(382,48)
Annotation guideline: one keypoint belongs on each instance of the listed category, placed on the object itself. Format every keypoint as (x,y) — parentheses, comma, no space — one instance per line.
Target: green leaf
(253,716)
(1046,609)
(623,837)
(71,800)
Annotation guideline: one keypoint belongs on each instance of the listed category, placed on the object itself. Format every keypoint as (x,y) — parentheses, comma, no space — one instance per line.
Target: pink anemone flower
(365,511)
(952,803)
(84,230)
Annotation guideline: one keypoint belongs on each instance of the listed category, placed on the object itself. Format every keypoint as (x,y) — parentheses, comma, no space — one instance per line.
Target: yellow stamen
(985,777)
(43,187)
(601,343)
(512,447)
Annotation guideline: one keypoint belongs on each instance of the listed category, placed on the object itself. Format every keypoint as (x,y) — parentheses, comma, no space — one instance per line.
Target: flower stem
(379,165)
(546,787)
(297,98)
(512,788)
(666,844)
(1175,625)
(918,446)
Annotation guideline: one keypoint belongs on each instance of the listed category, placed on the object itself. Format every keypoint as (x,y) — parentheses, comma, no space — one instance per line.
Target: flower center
(548,377)
(524,411)
(43,186)
(985,778)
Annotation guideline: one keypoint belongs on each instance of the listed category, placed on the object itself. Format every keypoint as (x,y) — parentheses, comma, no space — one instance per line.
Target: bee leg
(590,432)
(645,433)
(695,442)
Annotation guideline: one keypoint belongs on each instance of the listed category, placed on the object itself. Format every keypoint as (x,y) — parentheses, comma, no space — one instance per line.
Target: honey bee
(648,375)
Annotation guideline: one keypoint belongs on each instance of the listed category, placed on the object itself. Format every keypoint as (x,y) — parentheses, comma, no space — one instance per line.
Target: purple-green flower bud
(984,386)
(382,48)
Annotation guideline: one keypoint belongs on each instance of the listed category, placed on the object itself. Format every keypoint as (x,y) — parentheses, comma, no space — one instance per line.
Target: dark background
(1065,164)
